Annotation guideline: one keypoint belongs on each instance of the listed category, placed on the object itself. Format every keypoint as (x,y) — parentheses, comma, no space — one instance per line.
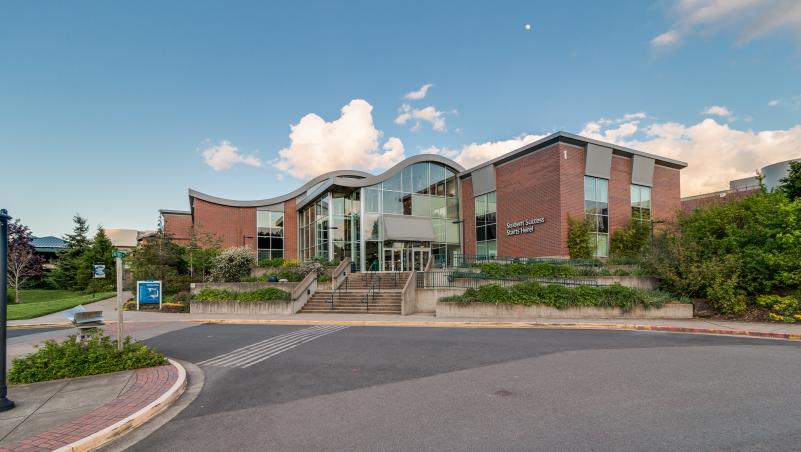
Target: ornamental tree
(23,262)
(791,184)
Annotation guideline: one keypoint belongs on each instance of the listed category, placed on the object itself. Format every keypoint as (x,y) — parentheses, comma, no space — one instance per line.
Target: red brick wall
(178,226)
(529,188)
(665,194)
(290,230)
(714,199)
(236,226)
(571,170)
(468,207)
(619,193)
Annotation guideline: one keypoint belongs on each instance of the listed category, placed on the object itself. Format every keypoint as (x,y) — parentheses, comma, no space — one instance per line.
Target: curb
(122,427)
(467,324)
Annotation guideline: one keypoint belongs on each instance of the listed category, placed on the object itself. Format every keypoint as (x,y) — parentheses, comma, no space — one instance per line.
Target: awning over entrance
(398,227)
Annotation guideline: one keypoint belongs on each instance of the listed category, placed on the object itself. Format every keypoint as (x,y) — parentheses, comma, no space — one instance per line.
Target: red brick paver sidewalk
(150,384)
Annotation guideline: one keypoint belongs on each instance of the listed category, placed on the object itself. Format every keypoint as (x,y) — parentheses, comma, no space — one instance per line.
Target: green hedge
(492,270)
(71,358)
(266,294)
(562,297)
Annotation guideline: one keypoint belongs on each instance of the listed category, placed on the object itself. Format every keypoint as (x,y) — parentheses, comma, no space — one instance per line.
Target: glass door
(420,258)
(393,259)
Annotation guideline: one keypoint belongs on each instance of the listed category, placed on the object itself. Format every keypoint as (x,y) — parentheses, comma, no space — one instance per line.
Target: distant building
(48,247)
(740,188)
(126,239)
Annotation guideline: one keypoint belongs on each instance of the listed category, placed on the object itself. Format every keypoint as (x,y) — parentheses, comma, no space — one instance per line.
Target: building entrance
(405,256)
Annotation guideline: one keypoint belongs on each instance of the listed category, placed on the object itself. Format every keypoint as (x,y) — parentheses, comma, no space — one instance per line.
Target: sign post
(118,255)
(98,272)
(5,404)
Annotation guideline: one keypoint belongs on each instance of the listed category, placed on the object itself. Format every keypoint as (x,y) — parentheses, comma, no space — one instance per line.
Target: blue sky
(114,109)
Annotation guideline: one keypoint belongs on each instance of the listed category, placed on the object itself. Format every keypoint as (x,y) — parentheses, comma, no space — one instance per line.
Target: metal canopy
(398,227)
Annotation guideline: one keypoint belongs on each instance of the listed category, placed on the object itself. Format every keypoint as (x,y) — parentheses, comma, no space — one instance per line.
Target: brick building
(740,188)
(429,206)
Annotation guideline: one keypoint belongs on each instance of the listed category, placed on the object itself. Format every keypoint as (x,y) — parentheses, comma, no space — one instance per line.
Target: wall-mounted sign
(523,226)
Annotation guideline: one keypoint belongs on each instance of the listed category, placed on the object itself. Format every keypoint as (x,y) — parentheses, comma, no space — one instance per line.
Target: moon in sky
(528,27)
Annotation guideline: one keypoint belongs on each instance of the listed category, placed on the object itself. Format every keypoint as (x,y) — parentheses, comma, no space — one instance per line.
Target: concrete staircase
(352,296)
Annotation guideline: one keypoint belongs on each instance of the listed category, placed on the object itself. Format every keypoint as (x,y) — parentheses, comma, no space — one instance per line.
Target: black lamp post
(5,404)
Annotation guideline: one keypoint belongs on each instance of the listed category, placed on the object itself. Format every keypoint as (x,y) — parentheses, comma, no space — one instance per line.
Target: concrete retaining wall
(514,311)
(243,286)
(241,307)
(426,299)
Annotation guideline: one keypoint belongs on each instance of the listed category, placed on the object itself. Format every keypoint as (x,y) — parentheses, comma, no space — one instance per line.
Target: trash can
(352,267)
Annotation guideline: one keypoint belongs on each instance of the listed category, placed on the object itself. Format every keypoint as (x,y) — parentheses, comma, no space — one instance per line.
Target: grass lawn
(39,302)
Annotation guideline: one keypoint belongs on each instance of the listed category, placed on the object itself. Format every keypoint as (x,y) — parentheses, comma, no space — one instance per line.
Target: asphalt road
(17,332)
(404,388)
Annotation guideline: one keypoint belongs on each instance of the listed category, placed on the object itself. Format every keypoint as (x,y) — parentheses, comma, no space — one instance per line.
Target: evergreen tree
(65,275)
(99,252)
(791,184)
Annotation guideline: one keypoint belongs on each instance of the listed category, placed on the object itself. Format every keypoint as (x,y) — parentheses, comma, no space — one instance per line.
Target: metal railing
(466,261)
(336,292)
(371,291)
(461,279)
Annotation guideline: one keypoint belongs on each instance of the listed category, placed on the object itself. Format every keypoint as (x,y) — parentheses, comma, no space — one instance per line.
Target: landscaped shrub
(578,238)
(630,241)
(732,253)
(232,265)
(271,263)
(562,297)
(266,294)
(71,358)
(782,309)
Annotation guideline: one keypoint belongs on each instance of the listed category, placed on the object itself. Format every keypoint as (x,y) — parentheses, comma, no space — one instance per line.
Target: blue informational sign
(148,292)
(98,271)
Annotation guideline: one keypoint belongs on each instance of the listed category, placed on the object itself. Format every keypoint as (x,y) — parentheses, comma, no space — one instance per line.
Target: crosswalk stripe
(266,347)
(255,353)
(258,344)
(258,359)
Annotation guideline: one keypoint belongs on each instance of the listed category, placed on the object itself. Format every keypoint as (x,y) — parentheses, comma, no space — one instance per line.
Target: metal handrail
(372,289)
(336,291)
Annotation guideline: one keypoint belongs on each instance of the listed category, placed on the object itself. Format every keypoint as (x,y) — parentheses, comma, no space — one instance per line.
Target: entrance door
(420,258)
(393,260)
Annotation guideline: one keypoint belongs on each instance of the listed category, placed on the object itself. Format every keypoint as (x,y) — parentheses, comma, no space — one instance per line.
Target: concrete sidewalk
(42,406)
(109,308)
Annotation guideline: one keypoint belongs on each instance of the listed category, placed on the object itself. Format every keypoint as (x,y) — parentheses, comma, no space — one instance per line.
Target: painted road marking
(260,351)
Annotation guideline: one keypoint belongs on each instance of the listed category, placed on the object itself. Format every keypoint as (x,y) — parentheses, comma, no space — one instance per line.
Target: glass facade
(486,226)
(596,209)
(424,189)
(313,229)
(270,231)
(641,203)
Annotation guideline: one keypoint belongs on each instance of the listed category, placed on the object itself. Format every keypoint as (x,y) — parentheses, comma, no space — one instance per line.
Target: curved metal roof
(342,178)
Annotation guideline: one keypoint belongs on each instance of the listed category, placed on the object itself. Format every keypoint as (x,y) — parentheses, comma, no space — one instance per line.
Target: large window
(270,229)
(641,203)
(424,189)
(596,208)
(313,222)
(486,226)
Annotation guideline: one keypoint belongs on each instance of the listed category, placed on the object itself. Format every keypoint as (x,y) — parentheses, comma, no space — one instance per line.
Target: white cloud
(773,103)
(718,110)
(428,114)
(667,38)
(419,94)
(748,18)
(225,155)
(351,141)
(716,152)
(472,154)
